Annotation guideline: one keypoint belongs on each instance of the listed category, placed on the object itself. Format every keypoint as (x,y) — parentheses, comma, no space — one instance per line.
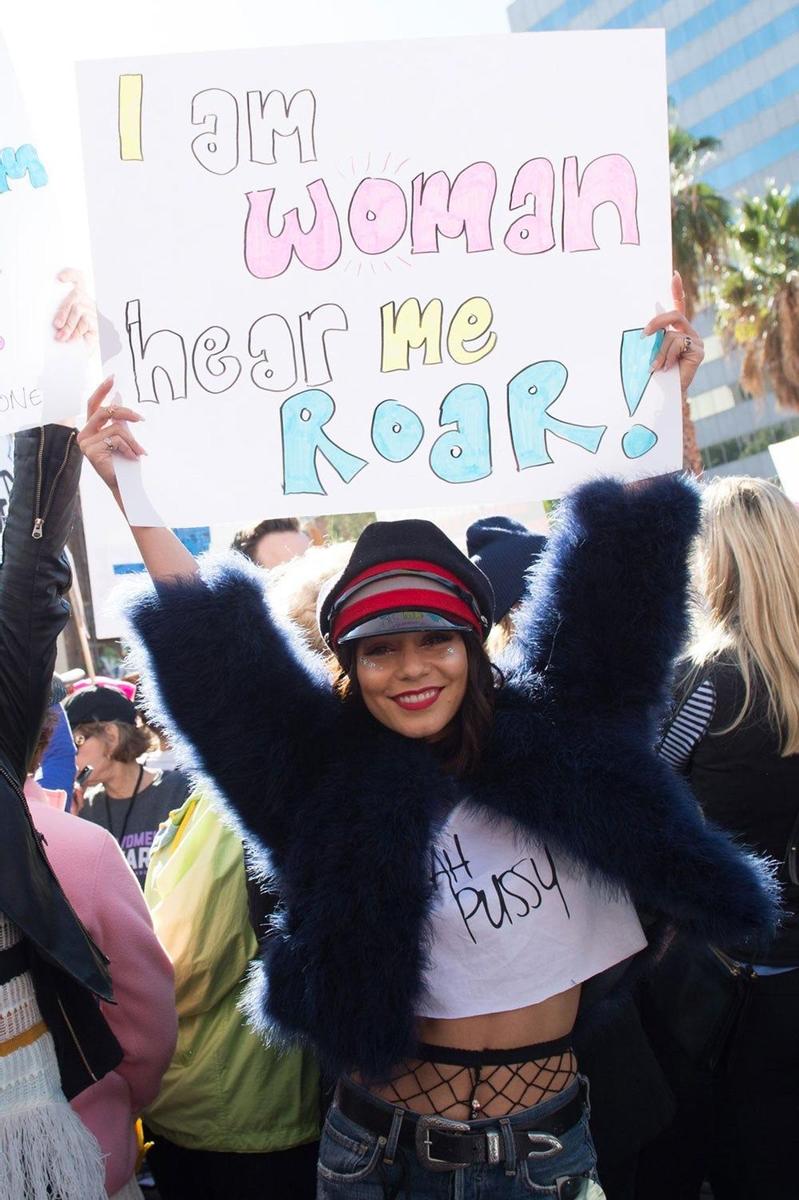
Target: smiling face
(413,682)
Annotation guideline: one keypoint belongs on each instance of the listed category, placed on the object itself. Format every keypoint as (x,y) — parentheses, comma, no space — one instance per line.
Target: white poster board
(786,460)
(402,274)
(40,380)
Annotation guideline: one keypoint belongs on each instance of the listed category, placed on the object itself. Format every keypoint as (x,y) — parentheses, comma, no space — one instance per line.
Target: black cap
(99,704)
(505,549)
(408,541)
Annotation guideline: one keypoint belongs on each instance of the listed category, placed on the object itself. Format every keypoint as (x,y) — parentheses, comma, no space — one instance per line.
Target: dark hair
(45,737)
(461,747)
(246,540)
(134,740)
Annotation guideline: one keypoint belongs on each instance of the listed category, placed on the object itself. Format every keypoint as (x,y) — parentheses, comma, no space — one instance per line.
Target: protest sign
(785,456)
(40,380)
(392,275)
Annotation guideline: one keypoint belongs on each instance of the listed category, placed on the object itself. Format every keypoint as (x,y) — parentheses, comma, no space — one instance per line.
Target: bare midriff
(458,1093)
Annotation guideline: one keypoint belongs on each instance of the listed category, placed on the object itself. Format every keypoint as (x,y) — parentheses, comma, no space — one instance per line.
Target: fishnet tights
(468,1093)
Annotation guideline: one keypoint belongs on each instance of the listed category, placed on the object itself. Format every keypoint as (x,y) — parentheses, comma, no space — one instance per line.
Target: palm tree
(699,231)
(699,216)
(758,297)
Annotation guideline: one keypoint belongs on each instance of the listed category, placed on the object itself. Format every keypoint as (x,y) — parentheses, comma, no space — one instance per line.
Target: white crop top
(512,924)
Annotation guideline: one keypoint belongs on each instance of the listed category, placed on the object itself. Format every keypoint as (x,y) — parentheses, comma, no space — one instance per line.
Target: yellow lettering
(410,328)
(471,321)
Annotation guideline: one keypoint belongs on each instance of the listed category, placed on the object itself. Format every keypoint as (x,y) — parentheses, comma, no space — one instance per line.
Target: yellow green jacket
(224,1090)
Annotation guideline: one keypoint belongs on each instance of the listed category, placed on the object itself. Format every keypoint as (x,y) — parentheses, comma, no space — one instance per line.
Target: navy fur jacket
(347,810)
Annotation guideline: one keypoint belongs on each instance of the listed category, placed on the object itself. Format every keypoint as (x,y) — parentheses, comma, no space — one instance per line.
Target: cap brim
(403,622)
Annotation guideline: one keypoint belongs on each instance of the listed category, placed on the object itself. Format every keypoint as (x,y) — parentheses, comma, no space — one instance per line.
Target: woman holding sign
(457,848)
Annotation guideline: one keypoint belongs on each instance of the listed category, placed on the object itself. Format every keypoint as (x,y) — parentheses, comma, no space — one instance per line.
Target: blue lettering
(531,394)
(303,418)
(463,454)
(16,164)
(396,431)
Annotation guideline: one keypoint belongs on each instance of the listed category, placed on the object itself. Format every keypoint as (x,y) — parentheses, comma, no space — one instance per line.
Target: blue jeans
(352,1166)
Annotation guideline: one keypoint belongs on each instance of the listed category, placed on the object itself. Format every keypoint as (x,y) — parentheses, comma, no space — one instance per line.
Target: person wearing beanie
(505,550)
(128,799)
(456,854)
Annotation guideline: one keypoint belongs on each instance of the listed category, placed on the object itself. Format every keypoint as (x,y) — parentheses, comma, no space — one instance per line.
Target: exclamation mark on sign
(636,358)
(130,93)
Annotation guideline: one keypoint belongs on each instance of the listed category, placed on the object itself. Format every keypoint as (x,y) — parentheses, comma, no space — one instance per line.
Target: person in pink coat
(103,891)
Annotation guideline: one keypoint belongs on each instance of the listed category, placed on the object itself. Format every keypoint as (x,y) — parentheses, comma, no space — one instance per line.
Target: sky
(46,38)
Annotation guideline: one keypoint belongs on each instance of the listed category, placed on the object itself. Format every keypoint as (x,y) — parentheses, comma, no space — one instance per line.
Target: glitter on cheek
(370,664)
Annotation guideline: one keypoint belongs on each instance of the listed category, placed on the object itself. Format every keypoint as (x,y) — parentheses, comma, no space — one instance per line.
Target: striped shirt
(688,726)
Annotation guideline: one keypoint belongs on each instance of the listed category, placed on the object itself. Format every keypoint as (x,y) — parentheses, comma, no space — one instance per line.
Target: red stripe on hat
(411,598)
(404,566)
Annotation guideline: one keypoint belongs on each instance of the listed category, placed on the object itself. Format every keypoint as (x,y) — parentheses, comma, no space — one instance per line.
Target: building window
(748,444)
(714,348)
(707,404)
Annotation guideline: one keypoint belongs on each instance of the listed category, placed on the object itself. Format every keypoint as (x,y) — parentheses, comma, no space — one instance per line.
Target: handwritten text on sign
(382,277)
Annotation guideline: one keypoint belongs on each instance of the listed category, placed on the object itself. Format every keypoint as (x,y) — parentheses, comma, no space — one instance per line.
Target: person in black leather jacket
(70,973)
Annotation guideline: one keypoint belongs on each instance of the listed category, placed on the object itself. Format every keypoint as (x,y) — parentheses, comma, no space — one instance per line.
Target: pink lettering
(464,206)
(607,180)
(378,215)
(533,233)
(267,255)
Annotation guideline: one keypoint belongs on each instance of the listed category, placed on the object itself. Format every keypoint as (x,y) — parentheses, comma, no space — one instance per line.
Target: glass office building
(733,69)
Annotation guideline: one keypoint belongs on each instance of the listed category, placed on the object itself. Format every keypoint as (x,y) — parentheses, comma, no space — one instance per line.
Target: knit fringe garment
(45,1149)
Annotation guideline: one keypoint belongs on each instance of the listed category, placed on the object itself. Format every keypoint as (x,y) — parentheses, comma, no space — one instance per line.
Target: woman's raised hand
(106,433)
(682,344)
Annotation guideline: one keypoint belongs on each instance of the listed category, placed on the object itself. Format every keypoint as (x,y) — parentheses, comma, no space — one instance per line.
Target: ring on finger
(110,443)
(687,343)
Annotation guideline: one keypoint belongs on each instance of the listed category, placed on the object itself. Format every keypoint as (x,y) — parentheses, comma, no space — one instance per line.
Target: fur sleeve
(606,614)
(597,793)
(238,690)
(674,861)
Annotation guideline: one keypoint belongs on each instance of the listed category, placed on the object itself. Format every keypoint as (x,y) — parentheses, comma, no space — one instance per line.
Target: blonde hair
(294,588)
(501,634)
(747,567)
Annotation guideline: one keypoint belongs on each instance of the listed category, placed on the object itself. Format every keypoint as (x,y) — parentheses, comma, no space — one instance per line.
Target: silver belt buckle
(425,1126)
(548,1144)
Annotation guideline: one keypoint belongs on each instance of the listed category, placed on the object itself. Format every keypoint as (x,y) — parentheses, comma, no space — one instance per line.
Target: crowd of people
(464,875)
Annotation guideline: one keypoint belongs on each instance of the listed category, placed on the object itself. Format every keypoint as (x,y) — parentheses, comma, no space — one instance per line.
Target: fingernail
(108,379)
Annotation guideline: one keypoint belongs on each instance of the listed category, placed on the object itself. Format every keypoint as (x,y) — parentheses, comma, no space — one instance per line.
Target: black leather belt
(443,1145)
